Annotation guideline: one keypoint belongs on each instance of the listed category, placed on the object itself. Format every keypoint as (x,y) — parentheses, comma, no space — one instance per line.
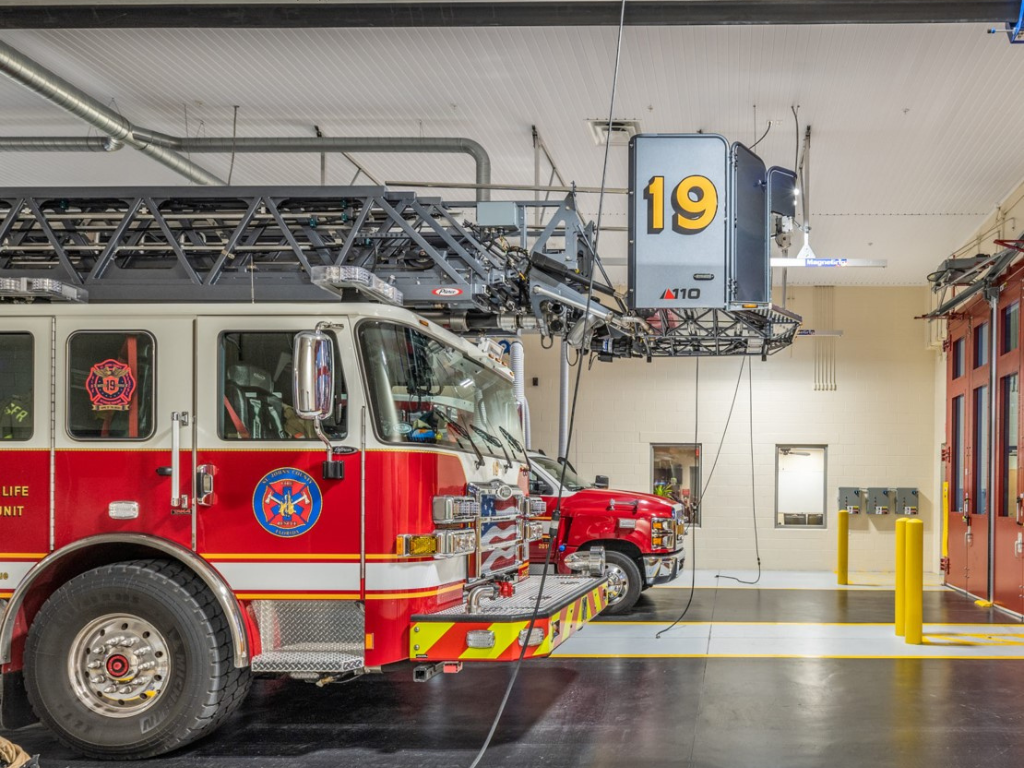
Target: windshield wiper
(495,442)
(458,429)
(516,445)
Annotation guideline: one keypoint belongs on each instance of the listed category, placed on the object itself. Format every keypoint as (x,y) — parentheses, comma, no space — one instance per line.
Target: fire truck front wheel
(132,660)
(624,582)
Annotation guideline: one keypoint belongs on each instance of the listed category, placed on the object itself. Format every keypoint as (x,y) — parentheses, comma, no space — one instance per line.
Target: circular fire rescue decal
(287,502)
(110,385)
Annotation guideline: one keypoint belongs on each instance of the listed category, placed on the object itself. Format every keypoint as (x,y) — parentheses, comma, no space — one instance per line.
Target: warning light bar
(336,279)
(38,287)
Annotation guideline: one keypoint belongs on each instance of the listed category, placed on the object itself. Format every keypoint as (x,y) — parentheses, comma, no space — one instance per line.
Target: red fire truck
(173,518)
(641,534)
(209,467)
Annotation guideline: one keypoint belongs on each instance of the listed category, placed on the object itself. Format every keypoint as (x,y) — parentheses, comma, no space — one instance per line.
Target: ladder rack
(488,272)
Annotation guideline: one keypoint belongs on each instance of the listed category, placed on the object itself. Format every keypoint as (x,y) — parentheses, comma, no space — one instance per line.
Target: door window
(110,385)
(981,452)
(958,358)
(1011,327)
(981,345)
(255,390)
(675,475)
(800,486)
(16,372)
(958,454)
(1009,405)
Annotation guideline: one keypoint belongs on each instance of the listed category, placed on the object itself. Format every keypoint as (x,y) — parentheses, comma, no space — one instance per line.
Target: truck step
(309,658)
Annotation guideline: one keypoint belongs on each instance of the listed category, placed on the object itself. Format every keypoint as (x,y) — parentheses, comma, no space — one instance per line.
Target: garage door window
(110,385)
(800,486)
(16,368)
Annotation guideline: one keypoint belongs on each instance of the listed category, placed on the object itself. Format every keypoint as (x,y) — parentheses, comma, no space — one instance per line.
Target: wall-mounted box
(851,500)
(880,501)
(499,214)
(906,501)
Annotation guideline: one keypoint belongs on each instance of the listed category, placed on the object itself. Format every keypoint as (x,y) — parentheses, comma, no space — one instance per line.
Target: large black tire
(622,568)
(200,688)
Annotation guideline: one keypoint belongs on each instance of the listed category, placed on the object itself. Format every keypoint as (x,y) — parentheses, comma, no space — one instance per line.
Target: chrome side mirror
(313,375)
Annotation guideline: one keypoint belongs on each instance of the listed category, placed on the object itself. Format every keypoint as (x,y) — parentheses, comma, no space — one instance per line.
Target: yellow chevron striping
(425,635)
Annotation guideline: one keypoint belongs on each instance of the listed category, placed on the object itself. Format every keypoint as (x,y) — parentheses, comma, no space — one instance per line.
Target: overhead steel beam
(16,14)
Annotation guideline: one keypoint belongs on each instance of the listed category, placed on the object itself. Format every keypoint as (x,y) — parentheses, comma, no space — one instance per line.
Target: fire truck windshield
(425,391)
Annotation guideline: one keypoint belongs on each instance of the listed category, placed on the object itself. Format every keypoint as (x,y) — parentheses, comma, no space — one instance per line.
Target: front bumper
(660,569)
(570,602)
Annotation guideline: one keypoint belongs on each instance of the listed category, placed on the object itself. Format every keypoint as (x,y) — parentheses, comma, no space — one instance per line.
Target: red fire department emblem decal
(287,502)
(110,385)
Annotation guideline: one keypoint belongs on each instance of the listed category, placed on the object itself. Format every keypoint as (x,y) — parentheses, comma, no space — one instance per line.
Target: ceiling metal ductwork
(165,148)
(59,91)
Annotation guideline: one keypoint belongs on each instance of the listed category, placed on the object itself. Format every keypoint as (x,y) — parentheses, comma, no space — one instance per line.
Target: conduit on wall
(824,346)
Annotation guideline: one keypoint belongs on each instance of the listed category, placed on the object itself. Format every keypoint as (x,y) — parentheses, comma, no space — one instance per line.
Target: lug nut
(125,689)
(142,651)
(145,666)
(98,649)
(94,665)
(110,689)
(97,679)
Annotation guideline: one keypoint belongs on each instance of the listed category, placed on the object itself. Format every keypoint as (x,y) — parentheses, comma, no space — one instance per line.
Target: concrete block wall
(881,426)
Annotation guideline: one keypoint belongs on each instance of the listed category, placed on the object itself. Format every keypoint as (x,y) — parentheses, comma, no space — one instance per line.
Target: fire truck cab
(641,534)
(190,493)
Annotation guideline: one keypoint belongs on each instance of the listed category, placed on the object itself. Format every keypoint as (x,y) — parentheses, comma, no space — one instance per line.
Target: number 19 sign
(678,231)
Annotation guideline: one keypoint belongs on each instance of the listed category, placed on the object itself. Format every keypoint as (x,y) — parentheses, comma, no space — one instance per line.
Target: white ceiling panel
(914,127)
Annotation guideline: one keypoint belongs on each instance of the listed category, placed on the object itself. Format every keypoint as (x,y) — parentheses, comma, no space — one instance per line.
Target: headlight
(454,509)
(438,544)
(663,532)
(534,530)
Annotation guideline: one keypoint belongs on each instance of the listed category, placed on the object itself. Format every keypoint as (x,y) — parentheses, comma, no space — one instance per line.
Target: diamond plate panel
(309,635)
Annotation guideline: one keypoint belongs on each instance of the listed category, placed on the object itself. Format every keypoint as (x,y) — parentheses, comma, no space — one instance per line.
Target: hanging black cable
(557,514)
(700,499)
(753,493)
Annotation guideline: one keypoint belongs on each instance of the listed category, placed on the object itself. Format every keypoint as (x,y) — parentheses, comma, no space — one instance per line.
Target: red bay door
(1008,544)
(957,394)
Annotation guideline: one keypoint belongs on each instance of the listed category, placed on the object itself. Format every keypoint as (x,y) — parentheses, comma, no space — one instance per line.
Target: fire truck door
(268,519)
(24,446)
(124,405)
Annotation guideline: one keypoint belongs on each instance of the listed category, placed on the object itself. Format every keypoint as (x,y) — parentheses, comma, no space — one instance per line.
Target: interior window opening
(1009,406)
(958,455)
(981,451)
(800,474)
(675,475)
(256,397)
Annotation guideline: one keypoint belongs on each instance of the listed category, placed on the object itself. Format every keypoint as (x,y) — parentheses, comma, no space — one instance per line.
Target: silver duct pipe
(563,400)
(60,144)
(518,361)
(389,145)
(58,91)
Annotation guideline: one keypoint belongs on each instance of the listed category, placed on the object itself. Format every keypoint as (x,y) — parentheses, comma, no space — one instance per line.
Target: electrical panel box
(499,214)
(880,501)
(851,500)
(906,501)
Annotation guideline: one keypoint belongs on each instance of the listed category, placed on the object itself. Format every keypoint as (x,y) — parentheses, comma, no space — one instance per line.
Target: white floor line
(796,580)
(794,640)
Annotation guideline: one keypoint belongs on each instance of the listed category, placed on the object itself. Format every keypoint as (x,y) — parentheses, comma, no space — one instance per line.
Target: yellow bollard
(914,581)
(901,575)
(843,548)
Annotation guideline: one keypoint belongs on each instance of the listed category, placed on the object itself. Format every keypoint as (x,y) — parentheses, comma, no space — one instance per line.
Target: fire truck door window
(539,487)
(16,366)
(425,391)
(110,385)
(255,383)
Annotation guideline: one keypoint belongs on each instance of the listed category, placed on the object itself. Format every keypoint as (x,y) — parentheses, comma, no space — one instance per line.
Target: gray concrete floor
(700,712)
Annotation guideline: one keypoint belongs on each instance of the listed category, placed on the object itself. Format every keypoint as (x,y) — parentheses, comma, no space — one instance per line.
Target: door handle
(1020,498)
(1018,545)
(179,500)
(204,485)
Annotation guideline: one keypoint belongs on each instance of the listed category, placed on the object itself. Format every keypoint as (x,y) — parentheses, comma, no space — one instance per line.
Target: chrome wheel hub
(618,583)
(118,665)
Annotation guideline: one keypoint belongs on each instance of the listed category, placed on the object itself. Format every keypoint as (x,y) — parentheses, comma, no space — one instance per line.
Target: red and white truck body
(169,433)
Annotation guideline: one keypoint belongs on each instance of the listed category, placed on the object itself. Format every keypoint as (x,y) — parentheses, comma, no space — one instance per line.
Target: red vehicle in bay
(642,534)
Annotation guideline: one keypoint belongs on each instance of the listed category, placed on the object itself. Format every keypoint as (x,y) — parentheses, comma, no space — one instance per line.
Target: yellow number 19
(694,199)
